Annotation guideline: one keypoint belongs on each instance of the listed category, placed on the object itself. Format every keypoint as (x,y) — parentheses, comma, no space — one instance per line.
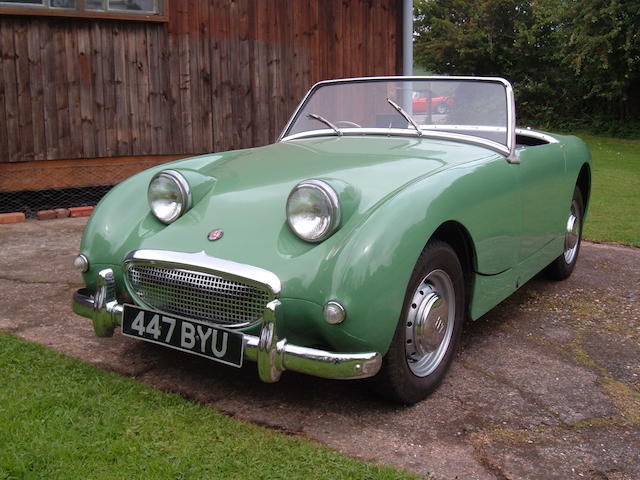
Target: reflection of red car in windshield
(439,104)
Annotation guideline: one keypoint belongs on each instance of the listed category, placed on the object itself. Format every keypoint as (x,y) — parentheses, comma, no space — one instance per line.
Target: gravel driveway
(546,385)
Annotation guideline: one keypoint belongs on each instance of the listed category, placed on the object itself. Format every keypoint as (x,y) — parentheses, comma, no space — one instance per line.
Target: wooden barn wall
(219,75)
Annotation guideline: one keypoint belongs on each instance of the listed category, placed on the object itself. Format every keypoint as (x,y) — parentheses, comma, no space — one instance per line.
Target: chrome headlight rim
(183,188)
(333,201)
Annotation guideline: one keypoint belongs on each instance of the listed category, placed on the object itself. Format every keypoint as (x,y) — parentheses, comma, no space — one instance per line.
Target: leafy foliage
(573,63)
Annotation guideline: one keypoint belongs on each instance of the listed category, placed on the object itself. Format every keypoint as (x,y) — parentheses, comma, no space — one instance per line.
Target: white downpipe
(407,37)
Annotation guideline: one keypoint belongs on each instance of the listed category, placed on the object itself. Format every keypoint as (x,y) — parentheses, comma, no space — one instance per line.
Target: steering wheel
(347,123)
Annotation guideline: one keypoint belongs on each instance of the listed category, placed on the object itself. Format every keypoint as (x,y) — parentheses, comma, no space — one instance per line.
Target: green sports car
(355,246)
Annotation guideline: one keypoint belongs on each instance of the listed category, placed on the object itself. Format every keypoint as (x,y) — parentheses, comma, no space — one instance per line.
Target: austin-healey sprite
(354,246)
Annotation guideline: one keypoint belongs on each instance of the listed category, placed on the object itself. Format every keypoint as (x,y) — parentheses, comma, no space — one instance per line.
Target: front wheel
(562,267)
(429,328)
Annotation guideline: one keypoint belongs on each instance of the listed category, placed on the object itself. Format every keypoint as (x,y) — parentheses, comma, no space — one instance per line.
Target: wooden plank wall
(221,74)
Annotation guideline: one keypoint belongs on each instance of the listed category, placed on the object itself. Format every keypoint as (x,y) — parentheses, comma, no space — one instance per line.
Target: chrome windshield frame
(508,150)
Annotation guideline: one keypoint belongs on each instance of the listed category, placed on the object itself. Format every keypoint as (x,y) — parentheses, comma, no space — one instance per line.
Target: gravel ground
(546,385)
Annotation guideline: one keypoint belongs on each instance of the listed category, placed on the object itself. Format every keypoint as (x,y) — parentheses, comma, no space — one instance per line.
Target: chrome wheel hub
(429,323)
(572,235)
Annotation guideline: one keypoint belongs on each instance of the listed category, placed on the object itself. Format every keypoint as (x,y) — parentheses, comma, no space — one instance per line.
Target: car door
(541,176)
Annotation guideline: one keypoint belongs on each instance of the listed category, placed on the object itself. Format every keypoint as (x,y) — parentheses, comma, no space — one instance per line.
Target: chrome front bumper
(272,354)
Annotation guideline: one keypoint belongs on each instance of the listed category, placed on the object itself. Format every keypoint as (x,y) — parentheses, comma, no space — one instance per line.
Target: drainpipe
(407,37)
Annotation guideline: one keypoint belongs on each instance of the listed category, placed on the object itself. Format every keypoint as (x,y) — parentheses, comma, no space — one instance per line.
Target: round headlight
(169,195)
(313,210)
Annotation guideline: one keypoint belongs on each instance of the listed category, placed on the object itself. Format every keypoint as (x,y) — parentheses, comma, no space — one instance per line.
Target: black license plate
(191,336)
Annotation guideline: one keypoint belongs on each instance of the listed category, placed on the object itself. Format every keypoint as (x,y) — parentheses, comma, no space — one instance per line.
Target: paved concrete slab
(546,385)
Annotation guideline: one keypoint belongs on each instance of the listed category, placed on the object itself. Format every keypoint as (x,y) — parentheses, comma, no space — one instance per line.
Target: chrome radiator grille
(197,295)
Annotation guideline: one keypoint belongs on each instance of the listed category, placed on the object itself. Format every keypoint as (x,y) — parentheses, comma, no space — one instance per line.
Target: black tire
(419,358)
(441,108)
(562,267)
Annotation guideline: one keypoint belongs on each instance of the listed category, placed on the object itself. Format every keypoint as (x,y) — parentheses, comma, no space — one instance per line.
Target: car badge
(215,234)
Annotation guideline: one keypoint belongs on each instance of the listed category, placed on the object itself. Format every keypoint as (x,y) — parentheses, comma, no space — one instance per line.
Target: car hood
(373,166)
(248,196)
(246,193)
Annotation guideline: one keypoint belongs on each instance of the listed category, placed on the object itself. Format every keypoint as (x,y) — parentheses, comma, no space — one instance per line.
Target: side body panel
(543,186)
(548,177)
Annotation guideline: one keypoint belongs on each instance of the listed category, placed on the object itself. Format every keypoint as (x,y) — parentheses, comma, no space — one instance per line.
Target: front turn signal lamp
(81,263)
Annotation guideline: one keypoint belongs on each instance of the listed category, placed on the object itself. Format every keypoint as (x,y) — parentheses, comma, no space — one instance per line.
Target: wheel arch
(584,184)
(458,238)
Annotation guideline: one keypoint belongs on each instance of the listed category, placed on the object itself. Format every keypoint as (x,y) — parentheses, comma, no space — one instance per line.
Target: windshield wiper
(326,122)
(405,115)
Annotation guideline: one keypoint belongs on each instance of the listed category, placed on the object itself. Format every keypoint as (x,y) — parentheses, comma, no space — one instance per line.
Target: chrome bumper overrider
(273,355)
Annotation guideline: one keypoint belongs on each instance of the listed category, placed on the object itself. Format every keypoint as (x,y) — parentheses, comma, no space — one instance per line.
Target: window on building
(154,10)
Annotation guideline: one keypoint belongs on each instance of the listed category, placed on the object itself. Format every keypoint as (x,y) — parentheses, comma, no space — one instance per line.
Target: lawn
(614,213)
(63,419)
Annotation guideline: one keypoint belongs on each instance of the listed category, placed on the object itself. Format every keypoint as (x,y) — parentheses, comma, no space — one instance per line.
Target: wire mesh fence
(30,202)
(31,187)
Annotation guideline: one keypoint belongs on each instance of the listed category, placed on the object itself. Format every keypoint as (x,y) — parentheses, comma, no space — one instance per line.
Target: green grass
(614,212)
(61,418)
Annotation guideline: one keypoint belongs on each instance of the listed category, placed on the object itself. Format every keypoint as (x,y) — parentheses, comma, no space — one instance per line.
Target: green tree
(570,61)
(468,36)
(603,51)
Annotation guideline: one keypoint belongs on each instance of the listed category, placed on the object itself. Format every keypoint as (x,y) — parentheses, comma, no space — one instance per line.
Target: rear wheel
(562,267)
(429,328)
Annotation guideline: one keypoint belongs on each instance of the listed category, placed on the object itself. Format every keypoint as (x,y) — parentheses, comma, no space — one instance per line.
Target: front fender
(371,273)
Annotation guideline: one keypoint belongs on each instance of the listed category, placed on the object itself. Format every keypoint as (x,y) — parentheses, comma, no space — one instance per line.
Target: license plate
(191,336)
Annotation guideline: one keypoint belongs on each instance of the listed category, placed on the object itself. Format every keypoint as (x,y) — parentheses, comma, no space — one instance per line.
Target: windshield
(445,106)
